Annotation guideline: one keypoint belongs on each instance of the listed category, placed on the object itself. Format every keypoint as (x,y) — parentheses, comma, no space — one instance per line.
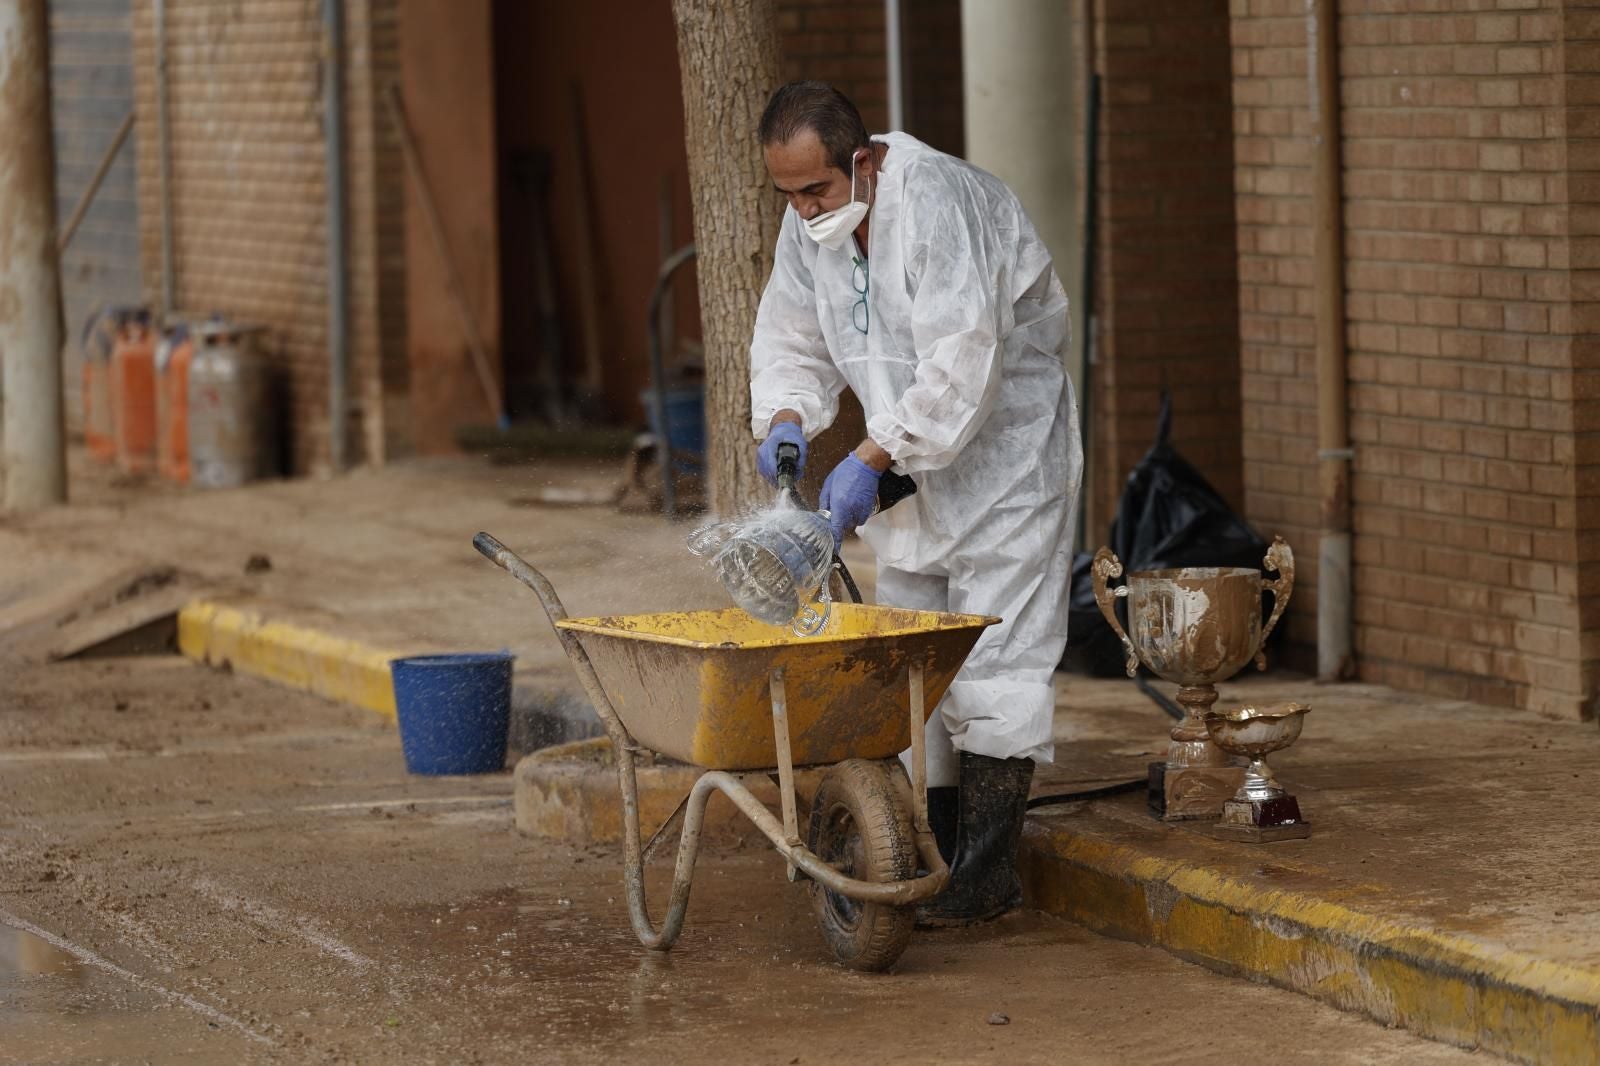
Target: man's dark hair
(820,108)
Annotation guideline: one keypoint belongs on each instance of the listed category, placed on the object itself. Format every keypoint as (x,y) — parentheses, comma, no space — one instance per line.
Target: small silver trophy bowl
(1261,810)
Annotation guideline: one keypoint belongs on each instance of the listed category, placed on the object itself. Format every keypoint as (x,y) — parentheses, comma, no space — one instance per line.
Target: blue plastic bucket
(454,711)
(686,419)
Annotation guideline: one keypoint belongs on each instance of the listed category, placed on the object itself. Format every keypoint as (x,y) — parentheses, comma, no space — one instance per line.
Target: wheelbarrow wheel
(859,827)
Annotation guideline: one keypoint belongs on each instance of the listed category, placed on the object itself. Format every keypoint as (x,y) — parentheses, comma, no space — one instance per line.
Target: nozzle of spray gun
(789,472)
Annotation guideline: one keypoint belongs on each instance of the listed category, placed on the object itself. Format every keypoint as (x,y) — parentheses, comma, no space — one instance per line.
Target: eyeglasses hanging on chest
(861,313)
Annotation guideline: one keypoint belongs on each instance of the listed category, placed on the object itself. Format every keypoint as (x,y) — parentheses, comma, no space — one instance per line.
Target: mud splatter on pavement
(226,872)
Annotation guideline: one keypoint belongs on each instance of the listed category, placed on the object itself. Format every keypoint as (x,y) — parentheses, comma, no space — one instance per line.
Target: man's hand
(850,495)
(783,431)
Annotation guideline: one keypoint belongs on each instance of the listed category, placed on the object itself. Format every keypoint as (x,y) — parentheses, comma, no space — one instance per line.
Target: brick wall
(1278,405)
(842,42)
(1580,34)
(1166,282)
(931,59)
(839,42)
(1461,232)
(249,194)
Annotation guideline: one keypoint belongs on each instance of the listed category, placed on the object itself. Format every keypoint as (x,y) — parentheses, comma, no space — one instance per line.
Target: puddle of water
(55,1008)
(26,961)
(561,961)
(567,957)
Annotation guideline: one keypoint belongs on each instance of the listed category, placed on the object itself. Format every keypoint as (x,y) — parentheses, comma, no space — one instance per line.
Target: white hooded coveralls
(962,380)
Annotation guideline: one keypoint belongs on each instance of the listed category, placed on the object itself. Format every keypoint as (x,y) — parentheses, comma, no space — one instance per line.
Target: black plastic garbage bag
(1169,516)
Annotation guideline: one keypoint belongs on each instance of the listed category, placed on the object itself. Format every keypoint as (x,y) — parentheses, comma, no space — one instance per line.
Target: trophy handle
(1280,557)
(1107,567)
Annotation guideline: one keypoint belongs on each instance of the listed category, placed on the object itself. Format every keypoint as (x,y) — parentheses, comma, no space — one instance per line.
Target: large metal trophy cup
(1195,627)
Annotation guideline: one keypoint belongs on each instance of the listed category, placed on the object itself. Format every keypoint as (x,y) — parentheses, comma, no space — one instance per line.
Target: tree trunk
(728,55)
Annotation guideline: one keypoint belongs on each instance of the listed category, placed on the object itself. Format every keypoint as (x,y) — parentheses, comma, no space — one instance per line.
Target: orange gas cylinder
(133,396)
(98,339)
(172,406)
(97,410)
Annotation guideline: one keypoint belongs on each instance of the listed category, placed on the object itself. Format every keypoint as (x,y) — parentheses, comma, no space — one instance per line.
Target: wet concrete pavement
(197,867)
(382,556)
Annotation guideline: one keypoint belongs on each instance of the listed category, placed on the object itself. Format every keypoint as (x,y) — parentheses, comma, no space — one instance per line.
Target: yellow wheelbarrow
(744,700)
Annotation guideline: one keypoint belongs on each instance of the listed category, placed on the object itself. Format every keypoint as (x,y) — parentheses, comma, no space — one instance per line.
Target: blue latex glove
(850,495)
(767,455)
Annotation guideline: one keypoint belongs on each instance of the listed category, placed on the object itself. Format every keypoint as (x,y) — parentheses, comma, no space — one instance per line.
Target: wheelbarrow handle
(519,568)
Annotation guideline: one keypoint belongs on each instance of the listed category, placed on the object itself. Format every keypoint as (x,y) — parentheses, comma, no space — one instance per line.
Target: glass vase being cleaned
(774,564)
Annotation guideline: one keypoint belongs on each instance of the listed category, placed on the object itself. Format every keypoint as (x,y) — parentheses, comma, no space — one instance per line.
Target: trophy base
(1262,821)
(1191,793)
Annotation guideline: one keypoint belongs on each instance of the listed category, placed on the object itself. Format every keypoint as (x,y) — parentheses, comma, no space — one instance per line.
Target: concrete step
(1447,886)
(1278,917)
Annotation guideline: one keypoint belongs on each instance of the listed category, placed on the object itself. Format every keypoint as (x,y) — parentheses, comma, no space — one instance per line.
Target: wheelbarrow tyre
(859,826)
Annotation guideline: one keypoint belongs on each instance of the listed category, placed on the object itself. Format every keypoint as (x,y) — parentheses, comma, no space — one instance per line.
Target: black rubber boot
(943,818)
(984,884)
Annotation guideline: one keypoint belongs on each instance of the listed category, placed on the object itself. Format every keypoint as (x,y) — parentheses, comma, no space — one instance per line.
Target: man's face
(801,171)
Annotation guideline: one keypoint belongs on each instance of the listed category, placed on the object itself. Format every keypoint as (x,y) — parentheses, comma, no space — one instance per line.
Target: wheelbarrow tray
(695,685)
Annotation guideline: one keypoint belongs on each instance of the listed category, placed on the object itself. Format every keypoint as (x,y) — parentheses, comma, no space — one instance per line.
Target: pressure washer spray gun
(892,487)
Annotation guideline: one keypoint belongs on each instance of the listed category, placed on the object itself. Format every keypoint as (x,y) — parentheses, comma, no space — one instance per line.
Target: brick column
(1581,54)
(1467,349)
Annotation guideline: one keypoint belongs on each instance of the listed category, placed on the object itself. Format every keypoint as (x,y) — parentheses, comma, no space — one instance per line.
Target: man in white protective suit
(917,280)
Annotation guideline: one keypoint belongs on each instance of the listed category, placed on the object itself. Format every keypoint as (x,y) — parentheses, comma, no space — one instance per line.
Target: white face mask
(832,228)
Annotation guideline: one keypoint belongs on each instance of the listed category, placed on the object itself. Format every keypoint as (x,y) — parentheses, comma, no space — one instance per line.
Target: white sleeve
(789,362)
(960,312)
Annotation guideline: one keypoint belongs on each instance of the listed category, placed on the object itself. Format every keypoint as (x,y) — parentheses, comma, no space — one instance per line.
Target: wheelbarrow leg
(780,736)
(926,844)
(633,870)
(919,758)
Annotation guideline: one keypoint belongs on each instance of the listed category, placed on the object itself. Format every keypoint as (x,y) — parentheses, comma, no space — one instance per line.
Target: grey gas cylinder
(230,415)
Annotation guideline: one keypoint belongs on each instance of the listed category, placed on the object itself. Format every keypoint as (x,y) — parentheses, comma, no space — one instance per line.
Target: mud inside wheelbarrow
(695,685)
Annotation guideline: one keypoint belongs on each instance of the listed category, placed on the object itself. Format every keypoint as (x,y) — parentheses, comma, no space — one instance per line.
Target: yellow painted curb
(1442,985)
(306,659)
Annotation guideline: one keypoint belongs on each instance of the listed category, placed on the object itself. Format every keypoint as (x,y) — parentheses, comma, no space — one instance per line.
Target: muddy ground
(200,868)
